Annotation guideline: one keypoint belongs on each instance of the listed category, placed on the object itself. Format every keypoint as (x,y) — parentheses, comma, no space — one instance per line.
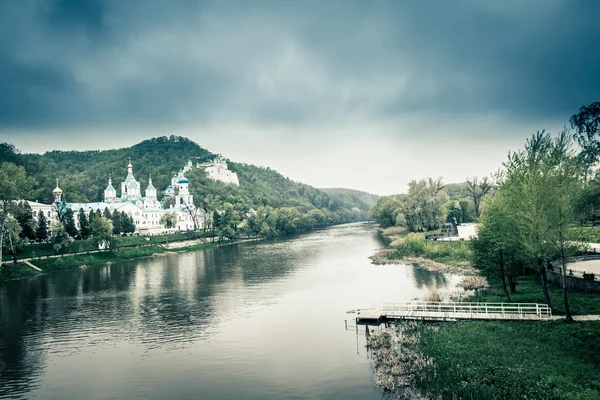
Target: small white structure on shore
(467,231)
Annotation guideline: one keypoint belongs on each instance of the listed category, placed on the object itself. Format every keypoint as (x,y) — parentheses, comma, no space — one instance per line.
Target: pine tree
(42,228)
(107,213)
(127,224)
(84,226)
(69,223)
(117,222)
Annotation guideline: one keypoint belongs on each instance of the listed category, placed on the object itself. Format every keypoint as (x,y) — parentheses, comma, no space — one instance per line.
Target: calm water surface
(261,320)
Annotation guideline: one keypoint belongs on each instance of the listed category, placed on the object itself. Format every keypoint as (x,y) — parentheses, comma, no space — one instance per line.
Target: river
(255,320)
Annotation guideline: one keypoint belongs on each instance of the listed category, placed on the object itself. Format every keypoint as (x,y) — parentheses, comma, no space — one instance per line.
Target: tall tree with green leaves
(116,221)
(497,249)
(84,226)
(540,182)
(69,223)
(563,173)
(11,234)
(101,232)
(60,239)
(23,213)
(586,124)
(41,231)
(14,185)
(127,224)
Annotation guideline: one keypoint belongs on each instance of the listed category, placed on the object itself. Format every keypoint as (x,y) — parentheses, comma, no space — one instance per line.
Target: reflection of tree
(380,239)
(423,277)
(21,354)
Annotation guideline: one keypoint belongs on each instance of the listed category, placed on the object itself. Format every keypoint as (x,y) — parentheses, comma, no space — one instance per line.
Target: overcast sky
(359,94)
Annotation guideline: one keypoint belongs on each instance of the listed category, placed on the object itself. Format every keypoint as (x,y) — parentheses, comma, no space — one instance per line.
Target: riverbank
(503,359)
(436,256)
(486,359)
(413,248)
(57,263)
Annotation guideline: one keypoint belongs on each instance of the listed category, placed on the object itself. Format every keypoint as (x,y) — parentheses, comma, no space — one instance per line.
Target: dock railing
(541,310)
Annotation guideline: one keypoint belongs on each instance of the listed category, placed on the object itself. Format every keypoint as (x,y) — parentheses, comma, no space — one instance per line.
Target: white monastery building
(217,170)
(146,210)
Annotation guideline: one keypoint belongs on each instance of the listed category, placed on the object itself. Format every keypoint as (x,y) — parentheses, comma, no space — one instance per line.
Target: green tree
(563,177)
(169,219)
(14,185)
(60,239)
(127,224)
(116,221)
(540,182)
(497,247)
(41,231)
(101,232)
(587,126)
(69,223)
(11,235)
(84,226)
(22,213)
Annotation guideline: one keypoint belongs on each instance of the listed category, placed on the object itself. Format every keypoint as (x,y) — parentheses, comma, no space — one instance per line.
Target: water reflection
(427,279)
(268,316)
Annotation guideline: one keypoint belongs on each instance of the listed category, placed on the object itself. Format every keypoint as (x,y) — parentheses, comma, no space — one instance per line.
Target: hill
(364,200)
(292,206)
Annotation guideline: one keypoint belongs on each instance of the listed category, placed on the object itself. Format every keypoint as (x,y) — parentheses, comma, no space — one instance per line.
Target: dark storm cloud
(121,63)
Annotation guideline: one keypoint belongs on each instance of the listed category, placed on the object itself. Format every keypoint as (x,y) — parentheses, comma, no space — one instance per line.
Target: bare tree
(478,189)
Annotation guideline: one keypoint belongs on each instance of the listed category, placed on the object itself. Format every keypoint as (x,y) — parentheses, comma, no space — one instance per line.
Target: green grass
(415,245)
(529,290)
(45,249)
(11,271)
(70,262)
(512,360)
(516,359)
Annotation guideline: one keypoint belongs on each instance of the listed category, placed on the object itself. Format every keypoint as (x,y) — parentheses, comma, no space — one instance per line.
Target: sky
(359,94)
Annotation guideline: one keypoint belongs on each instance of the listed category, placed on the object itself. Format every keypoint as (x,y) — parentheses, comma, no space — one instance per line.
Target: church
(145,210)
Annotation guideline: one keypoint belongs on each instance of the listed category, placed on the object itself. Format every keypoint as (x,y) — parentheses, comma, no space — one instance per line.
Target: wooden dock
(445,311)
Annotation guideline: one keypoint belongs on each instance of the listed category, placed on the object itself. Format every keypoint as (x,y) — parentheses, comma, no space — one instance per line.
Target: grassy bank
(9,271)
(510,360)
(515,359)
(45,249)
(530,291)
(21,270)
(456,253)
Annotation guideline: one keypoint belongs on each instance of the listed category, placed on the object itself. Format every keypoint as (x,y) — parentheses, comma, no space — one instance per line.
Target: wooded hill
(83,176)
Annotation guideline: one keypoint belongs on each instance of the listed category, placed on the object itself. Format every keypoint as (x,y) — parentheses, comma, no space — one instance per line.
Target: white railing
(541,310)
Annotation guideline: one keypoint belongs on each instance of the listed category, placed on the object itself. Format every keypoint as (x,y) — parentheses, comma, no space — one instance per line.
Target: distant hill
(83,176)
(364,200)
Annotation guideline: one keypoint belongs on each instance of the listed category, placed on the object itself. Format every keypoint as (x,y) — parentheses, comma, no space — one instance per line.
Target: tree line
(529,212)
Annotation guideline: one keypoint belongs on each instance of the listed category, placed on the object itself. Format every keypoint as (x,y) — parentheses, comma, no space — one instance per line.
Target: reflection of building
(147,210)
(217,170)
